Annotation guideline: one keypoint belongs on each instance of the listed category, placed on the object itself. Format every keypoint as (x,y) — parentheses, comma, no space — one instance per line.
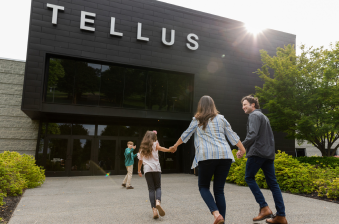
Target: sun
(254,28)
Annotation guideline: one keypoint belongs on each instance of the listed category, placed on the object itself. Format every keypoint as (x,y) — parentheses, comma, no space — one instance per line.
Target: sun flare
(254,28)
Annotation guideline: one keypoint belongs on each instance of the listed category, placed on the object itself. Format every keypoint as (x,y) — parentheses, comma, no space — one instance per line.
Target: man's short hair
(130,143)
(251,99)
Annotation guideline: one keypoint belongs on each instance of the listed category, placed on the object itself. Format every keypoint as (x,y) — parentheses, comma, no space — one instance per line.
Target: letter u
(164,37)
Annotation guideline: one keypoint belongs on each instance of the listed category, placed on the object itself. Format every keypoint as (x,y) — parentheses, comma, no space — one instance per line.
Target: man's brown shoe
(277,220)
(219,220)
(130,187)
(264,213)
(124,185)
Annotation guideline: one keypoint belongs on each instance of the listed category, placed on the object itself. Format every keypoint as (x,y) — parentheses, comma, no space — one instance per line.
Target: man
(260,151)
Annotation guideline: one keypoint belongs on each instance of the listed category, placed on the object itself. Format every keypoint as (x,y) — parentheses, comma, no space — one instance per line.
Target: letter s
(195,43)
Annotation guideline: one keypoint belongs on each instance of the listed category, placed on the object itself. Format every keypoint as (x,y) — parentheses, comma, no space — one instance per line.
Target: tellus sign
(191,38)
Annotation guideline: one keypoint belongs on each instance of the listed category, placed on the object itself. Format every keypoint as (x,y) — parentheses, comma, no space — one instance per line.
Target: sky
(314,22)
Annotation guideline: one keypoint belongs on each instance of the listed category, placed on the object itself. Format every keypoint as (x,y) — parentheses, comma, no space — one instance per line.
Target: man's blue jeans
(219,168)
(253,165)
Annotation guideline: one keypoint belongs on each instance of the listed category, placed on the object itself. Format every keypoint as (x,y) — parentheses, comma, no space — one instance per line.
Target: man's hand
(140,174)
(240,154)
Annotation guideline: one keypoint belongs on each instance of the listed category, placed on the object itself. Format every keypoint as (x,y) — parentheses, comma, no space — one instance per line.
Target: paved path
(97,199)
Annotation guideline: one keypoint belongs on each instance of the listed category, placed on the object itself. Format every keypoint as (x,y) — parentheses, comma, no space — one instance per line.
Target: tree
(302,95)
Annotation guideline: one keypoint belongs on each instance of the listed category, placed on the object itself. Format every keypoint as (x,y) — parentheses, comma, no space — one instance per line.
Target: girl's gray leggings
(154,186)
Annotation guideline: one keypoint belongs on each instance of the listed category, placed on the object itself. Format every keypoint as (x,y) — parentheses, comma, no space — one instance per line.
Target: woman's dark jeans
(153,180)
(219,168)
(254,163)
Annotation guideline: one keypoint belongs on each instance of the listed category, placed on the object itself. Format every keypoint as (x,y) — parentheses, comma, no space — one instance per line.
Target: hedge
(18,172)
(319,161)
(292,175)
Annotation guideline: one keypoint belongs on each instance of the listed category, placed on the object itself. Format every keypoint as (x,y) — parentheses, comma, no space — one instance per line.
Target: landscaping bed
(17,173)
(8,209)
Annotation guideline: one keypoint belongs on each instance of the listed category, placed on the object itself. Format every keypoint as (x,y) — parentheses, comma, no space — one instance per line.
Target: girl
(148,155)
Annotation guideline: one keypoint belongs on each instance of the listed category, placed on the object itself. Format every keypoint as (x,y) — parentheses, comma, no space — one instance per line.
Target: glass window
(81,155)
(39,159)
(108,130)
(129,131)
(59,128)
(112,86)
(60,81)
(179,93)
(157,90)
(84,83)
(83,129)
(135,88)
(106,156)
(87,83)
(56,155)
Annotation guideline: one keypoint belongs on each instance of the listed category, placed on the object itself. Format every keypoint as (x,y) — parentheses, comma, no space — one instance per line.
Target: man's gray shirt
(259,140)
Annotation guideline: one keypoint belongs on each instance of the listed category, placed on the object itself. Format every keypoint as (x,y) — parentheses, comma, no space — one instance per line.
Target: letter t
(55,12)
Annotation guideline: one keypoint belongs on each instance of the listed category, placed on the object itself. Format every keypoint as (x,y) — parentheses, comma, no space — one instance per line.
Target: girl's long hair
(206,111)
(147,143)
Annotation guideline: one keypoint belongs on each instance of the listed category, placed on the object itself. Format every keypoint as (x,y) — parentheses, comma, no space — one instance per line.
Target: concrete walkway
(97,199)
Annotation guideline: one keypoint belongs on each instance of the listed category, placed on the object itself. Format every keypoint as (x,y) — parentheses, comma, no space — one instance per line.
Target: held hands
(240,154)
(173,149)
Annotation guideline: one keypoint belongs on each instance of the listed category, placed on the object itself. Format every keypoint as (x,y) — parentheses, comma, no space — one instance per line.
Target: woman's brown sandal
(161,211)
(155,213)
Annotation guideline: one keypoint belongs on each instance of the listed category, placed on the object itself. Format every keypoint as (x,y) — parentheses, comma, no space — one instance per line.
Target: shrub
(18,172)
(292,175)
(319,161)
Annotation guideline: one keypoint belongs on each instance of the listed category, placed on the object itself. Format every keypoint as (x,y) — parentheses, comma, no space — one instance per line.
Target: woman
(212,153)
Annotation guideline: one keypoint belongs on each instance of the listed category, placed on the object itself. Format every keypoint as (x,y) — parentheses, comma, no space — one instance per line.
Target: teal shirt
(129,156)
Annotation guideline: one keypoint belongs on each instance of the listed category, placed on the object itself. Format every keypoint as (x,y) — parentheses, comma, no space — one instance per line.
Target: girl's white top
(151,164)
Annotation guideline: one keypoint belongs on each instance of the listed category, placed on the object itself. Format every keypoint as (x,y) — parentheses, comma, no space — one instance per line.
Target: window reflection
(59,128)
(108,130)
(179,93)
(87,83)
(81,154)
(135,88)
(157,90)
(84,83)
(61,74)
(39,159)
(56,155)
(130,131)
(83,129)
(112,86)
(106,156)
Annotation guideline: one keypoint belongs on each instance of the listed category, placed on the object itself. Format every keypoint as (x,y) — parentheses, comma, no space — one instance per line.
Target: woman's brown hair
(147,143)
(206,111)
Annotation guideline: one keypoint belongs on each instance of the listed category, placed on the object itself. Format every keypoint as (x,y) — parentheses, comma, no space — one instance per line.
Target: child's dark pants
(154,186)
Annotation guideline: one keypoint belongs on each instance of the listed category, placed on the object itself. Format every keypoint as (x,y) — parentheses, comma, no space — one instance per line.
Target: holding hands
(173,149)
(240,154)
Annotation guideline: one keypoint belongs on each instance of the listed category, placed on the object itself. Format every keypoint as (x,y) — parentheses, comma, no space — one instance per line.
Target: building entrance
(81,150)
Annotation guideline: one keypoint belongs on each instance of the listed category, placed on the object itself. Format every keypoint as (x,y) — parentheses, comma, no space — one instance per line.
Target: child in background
(149,157)
(129,161)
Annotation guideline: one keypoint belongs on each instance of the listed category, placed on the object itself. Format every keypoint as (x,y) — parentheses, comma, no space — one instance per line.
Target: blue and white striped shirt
(211,143)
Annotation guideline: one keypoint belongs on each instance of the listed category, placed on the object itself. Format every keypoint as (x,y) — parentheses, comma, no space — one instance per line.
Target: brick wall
(17,131)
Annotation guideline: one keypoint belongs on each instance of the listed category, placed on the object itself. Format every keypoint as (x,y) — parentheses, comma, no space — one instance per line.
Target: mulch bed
(7,210)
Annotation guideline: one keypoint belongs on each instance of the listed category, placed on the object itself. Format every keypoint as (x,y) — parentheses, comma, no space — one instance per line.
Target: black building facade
(100,73)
